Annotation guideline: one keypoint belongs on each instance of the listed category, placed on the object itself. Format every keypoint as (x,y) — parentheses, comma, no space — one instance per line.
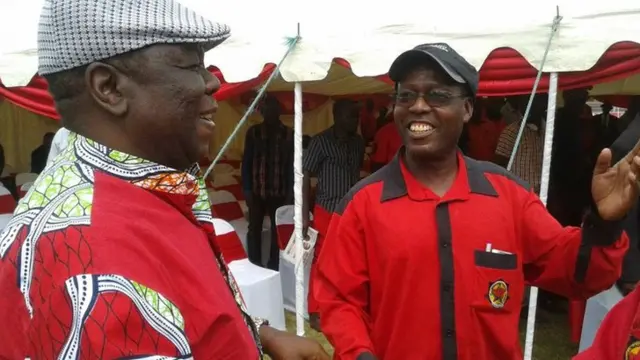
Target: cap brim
(411,57)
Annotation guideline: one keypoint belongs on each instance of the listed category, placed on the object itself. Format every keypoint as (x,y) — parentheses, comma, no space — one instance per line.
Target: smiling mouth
(420,128)
(208,118)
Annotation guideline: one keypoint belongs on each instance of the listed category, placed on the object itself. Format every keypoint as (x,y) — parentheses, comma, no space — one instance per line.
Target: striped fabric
(528,162)
(336,164)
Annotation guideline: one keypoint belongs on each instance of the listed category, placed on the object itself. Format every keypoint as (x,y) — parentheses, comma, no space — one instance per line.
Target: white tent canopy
(369,34)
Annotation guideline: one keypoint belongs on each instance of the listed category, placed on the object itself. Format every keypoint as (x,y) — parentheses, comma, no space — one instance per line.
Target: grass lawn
(551,341)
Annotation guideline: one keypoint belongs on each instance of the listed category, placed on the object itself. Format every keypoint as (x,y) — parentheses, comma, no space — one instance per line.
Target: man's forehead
(175,51)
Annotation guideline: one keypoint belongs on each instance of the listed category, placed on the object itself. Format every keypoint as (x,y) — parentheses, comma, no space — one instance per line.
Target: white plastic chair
(285,224)
(261,288)
(4,220)
(23,178)
(228,237)
(25,188)
(597,308)
(226,206)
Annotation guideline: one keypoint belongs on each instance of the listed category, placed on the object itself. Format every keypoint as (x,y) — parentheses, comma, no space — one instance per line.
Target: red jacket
(619,333)
(110,256)
(404,274)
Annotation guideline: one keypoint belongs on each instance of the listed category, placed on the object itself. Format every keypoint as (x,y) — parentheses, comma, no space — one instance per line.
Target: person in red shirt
(368,121)
(112,254)
(485,131)
(619,333)
(387,142)
(427,258)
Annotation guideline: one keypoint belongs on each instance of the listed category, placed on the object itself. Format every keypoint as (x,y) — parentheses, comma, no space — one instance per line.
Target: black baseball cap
(449,60)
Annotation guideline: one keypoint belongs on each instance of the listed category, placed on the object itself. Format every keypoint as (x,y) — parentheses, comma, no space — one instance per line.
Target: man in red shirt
(427,258)
(112,253)
(387,142)
(368,121)
(619,333)
(485,128)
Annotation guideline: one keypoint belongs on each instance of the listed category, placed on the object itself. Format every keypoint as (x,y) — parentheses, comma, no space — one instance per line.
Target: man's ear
(468,110)
(105,83)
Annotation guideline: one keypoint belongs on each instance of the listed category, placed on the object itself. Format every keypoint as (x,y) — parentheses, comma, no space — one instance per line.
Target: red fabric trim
(231,247)
(284,232)
(321,220)
(504,73)
(7,204)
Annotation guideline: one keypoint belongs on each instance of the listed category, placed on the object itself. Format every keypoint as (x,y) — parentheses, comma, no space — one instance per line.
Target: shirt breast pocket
(499,282)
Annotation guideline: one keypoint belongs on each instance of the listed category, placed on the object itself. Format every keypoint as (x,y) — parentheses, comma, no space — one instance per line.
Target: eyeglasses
(434,98)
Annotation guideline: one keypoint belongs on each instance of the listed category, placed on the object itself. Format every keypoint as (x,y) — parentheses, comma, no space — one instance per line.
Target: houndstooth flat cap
(74,33)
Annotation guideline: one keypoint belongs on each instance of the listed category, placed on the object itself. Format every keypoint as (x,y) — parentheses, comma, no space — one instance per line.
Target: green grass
(551,341)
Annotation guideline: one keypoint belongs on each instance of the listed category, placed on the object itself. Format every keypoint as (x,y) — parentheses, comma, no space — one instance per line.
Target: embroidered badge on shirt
(633,349)
(498,293)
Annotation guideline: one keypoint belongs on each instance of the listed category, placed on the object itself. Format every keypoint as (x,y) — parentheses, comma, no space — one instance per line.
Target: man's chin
(424,151)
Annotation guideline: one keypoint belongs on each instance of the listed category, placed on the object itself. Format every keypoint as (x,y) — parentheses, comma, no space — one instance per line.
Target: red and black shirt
(405,274)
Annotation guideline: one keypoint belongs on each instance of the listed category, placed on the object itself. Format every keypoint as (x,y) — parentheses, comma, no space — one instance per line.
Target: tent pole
(544,191)
(297,195)
(297,217)
(292,44)
(551,106)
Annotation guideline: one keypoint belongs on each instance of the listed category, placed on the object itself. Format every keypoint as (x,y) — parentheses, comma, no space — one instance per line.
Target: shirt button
(449,333)
(446,287)
(445,245)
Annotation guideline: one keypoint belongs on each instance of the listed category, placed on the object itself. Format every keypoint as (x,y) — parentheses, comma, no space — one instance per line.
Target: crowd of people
(426,258)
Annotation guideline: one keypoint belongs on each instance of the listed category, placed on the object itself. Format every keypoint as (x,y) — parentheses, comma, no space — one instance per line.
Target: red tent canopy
(504,73)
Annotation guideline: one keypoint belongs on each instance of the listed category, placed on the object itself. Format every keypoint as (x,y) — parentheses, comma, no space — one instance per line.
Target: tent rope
(291,43)
(554,29)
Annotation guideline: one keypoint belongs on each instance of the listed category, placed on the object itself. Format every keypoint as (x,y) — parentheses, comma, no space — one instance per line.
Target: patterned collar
(140,172)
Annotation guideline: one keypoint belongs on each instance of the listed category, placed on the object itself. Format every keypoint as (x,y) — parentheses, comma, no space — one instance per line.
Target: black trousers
(258,209)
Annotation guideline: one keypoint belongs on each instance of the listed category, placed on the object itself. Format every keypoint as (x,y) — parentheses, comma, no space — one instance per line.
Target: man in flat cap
(112,254)
(427,258)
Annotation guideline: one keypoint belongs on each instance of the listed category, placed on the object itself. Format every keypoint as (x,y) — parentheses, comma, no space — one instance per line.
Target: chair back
(24,188)
(285,224)
(228,241)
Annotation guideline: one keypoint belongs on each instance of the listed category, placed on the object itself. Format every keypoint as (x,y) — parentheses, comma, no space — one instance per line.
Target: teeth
(420,127)
(207,118)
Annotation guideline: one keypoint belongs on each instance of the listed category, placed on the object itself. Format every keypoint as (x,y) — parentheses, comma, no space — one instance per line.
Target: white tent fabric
(366,35)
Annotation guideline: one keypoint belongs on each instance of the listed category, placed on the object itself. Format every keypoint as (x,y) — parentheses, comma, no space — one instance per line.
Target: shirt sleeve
(616,332)
(506,141)
(341,286)
(313,157)
(107,317)
(570,261)
(247,162)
